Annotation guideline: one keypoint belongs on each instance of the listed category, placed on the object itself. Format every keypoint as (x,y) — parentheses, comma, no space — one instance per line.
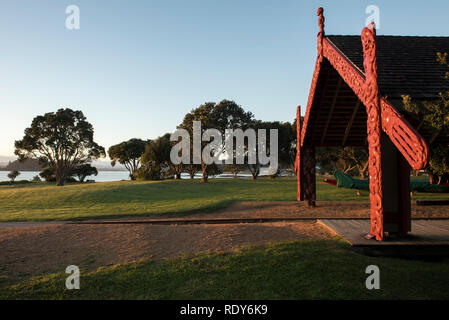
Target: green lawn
(40,201)
(289,270)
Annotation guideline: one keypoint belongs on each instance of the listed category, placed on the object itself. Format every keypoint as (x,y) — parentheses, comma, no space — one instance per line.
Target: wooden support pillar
(308,154)
(405,212)
(396,189)
(299,163)
(372,104)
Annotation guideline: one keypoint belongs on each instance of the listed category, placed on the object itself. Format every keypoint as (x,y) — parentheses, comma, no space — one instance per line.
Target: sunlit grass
(38,202)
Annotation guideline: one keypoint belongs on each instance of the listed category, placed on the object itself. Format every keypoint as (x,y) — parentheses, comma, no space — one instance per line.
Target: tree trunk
(59,181)
(205,175)
(60,176)
(254,171)
(178,176)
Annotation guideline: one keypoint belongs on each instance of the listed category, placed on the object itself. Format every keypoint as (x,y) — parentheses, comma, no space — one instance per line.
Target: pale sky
(136,67)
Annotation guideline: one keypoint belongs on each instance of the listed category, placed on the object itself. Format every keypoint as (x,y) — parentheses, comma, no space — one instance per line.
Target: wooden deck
(428,237)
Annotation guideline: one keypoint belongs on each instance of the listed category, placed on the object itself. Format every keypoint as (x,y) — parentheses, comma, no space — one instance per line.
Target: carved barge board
(381,116)
(408,141)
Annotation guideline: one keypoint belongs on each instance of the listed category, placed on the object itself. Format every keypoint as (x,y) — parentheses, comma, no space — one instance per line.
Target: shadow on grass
(169,214)
(309,269)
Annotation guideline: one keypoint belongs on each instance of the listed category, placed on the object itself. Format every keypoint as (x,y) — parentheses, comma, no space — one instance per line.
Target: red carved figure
(320,34)
(372,103)
(298,162)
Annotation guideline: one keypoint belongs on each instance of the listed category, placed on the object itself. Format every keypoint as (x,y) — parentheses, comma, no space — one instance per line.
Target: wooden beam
(318,112)
(340,81)
(351,121)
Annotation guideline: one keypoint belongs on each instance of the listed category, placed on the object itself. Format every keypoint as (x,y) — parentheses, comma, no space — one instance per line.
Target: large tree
(224,115)
(60,140)
(128,153)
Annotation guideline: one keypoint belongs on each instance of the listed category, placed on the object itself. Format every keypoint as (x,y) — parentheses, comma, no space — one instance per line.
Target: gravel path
(33,250)
(29,248)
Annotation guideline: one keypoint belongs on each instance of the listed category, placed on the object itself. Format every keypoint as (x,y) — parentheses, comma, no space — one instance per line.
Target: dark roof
(406,65)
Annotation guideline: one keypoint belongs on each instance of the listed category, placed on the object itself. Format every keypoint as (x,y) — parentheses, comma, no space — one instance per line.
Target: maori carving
(308,153)
(298,163)
(381,116)
(320,35)
(353,78)
(372,103)
(408,141)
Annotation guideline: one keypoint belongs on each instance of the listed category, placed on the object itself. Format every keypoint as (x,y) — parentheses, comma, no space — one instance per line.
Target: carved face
(368,41)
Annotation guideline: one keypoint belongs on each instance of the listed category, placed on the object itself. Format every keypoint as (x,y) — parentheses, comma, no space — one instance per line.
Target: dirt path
(270,210)
(293,209)
(32,250)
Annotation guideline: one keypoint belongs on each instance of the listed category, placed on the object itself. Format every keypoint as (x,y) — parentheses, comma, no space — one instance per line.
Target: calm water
(102,176)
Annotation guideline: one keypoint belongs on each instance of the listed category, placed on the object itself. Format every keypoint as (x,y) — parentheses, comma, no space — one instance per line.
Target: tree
(234,168)
(177,169)
(286,142)
(254,169)
(192,169)
(224,115)
(326,159)
(156,159)
(61,140)
(433,117)
(350,160)
(128,153)
(203,114)
(84,170)
(13,175)
(48,174)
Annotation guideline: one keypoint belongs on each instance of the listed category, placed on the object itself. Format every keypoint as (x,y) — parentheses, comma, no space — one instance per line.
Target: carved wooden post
(372,103)
(308,154)
(299,163)
(320,35)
